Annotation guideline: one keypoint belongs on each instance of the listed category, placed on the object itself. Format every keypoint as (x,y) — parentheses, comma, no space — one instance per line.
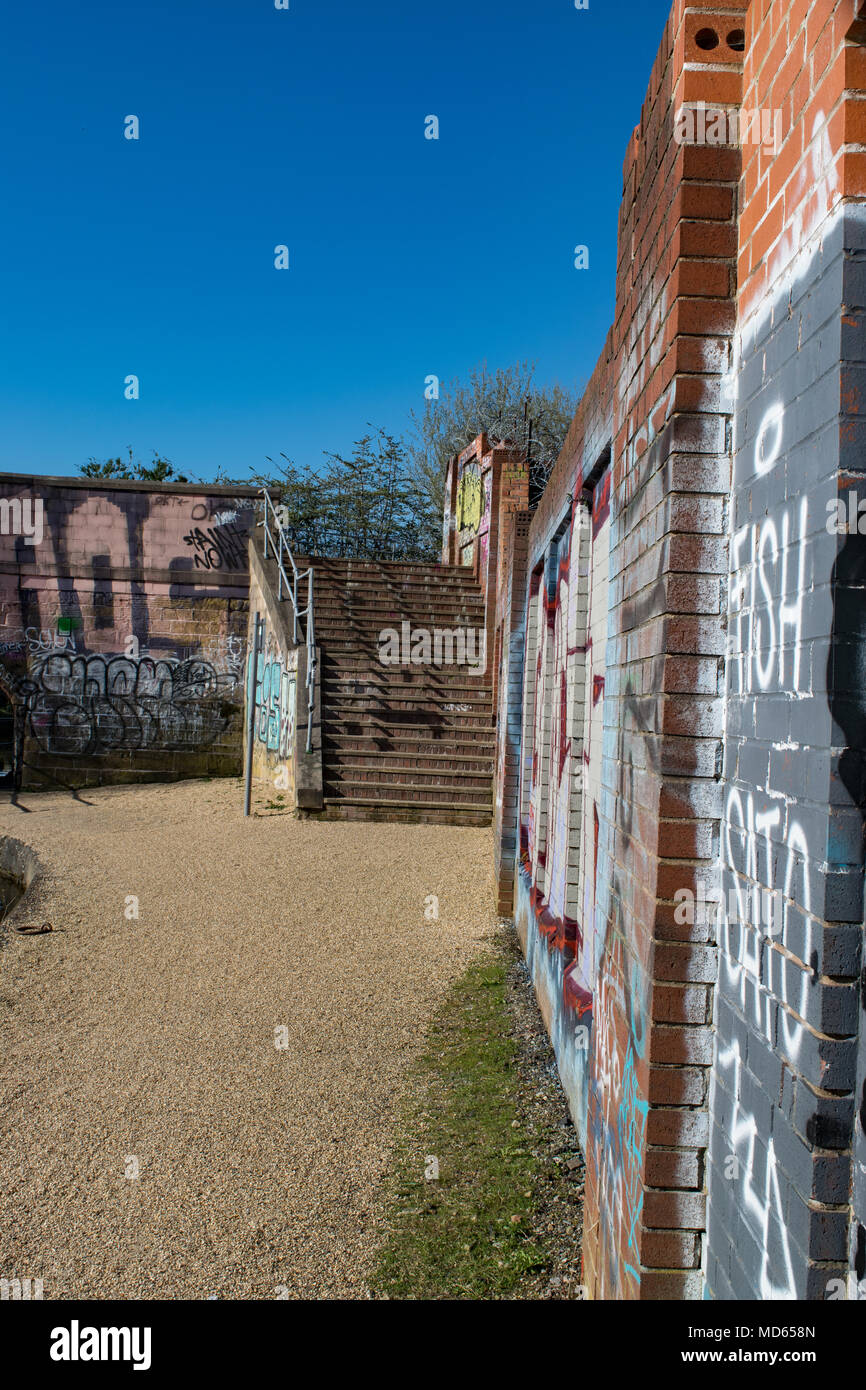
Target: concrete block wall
(123,629)
(786,1195)
(715,1069)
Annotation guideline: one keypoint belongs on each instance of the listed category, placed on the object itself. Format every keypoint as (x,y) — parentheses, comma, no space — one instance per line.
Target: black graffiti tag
(222,548)
(86,705)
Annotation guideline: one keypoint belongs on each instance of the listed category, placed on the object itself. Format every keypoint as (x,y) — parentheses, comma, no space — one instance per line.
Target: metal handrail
(280,545)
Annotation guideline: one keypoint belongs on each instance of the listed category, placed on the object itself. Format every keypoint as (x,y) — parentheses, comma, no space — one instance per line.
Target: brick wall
(784,1219)
(123,628)
(705,1056)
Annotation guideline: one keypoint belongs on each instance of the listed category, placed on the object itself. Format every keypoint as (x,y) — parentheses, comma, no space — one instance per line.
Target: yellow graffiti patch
(469,501)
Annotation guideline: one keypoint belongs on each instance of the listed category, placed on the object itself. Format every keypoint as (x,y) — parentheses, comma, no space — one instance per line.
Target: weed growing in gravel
(468,1234)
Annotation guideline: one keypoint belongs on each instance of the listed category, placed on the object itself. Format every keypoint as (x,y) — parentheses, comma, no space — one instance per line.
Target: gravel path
(154,1039)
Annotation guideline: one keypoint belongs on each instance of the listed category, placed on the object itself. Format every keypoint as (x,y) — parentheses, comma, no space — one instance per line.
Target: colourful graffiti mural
(275,705)
(470,496)
(566,637)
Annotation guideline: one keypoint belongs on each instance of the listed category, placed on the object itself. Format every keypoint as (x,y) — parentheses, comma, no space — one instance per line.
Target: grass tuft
(469,1233)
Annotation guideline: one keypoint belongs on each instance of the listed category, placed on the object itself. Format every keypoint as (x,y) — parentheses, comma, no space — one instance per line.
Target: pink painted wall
(123,613)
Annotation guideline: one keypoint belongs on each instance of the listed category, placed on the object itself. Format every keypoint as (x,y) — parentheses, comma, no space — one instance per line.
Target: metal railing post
(311,662)
(279,542)
(251,716)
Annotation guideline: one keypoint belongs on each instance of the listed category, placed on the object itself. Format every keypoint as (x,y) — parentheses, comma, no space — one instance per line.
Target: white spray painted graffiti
(766,1206)
(768,556)
(765,641)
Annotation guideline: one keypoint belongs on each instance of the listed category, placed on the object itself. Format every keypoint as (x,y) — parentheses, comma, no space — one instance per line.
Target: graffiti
(763,1201)
(566,736)
(617,1115)
(44,640)
(537,824)
(38,641)
(483,552)
(764,655)
(562,925)
(275,706)
(778,833)
(91,705)
(223,548)
(764,848)
(617,1105)
(230,655)
(469,499)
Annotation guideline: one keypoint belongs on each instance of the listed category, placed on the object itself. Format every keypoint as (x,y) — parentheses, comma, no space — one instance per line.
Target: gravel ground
(153,1040)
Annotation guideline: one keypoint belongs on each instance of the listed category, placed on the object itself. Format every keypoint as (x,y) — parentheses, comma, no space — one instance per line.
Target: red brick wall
(675,315)
(698,374)
(657,401)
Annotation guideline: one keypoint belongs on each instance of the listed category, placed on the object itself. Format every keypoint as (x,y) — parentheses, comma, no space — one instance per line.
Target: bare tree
(506,404)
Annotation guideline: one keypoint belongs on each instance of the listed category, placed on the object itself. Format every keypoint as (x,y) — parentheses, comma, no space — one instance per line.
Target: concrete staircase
(400,742)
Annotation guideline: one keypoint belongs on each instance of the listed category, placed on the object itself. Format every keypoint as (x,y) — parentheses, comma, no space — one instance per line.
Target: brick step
(371,626)
(406,813)
(373,634)
(399,696)
(342,774)
(382,583)
(385,719)
(416,600)
(385,792)
(396,584)
(475,744)
(356,664)
(413,597)
(436,679)
(375,568)
(450,582)
(374,620)
(376,683)
(425,762)
(405,716)
(351,629)
(344,660)
(430,610)
(349,641)
(422,705)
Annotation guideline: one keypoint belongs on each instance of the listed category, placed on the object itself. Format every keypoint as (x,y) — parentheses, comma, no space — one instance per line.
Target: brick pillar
(508,678)
(651,1030)
(449,543)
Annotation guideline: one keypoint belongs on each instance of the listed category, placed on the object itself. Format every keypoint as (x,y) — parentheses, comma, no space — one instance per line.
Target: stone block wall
(123,617)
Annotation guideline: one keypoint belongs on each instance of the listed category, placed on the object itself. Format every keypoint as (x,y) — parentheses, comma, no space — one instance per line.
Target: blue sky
(304,127)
